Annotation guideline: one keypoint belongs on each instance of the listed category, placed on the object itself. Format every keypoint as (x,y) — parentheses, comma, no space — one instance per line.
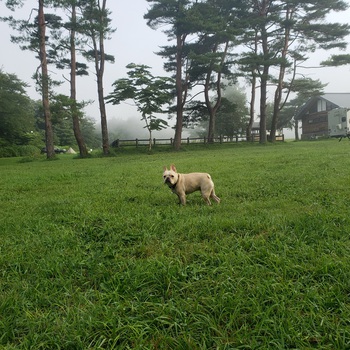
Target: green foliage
(305,89)
(337,60)
(62,108)
(62,123)
(170,12)
(149,94)
(95,24)
(7,150)
(16,110)
(113,262)
(232,116)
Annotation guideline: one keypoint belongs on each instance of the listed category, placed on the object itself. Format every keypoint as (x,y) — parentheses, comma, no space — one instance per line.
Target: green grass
(97,254)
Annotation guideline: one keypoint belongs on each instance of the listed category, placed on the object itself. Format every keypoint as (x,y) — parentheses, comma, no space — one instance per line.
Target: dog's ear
(172,167)
(165,168)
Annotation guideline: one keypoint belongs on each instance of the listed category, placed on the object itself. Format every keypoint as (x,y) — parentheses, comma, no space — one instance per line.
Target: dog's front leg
(182,198)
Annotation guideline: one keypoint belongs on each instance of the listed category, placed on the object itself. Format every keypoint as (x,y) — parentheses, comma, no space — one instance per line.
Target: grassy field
(97,254)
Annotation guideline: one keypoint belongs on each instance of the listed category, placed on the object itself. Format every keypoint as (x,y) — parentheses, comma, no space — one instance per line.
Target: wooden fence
(188,140)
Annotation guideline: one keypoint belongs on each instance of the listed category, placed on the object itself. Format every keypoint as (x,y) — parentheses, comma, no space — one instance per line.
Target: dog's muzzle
(169,183)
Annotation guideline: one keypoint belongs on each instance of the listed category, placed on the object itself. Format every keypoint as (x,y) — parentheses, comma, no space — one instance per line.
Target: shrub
(19,151)
(28,150)
(8,151)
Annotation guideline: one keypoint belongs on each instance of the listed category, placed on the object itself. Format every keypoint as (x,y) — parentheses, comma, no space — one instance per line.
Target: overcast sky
(135,42)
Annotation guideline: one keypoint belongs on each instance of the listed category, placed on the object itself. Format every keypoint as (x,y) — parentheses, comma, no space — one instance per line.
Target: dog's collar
(175,184)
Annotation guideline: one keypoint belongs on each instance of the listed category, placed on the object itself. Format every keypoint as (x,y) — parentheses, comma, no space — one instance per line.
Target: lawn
(97,254)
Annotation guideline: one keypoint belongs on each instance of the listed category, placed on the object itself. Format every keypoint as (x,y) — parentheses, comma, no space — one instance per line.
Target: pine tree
(283,33)
(174,15)
(95,25)
(33,37)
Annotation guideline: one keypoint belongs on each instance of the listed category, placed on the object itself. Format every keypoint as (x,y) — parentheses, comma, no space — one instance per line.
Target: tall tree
(255,63)
(267,14)
(33,37)
(73,92)
(149,94)
(304,19)
(174,15)
(208,59)
(96,25)
(248,66)
(45,81)
(225,20)
(67,45)
(215,27)
(287,32)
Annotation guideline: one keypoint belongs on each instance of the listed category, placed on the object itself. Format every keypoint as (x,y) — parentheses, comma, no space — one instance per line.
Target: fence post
(188,140)
(154,141)
(137,143)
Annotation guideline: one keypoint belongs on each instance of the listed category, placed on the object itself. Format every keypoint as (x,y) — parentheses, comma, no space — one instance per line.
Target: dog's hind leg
(207,200)
(214,196)
(206,195)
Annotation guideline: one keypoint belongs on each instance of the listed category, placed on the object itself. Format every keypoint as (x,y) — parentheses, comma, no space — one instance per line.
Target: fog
(133,127)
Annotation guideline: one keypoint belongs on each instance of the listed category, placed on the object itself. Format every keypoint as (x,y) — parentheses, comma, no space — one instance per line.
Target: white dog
(182,184)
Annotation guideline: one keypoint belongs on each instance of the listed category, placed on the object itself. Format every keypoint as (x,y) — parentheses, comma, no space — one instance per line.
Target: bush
(8,151)
(28,150)
(19,151)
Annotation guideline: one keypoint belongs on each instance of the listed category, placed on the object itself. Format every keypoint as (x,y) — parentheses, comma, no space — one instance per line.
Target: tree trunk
(105,142)
(211,126)
(251,110)
(279,88)
(263,99)
(276,106)
(265,73)
(213,109)
(296,129)
(99,59)
(75,115)
(150,141)
(252,95)
(179,93)
(50,152)
(103,114)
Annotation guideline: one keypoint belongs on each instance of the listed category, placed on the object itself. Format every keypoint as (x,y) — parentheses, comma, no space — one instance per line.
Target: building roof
(337,99)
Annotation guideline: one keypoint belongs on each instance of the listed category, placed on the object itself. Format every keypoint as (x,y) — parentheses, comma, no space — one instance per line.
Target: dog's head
(170,176)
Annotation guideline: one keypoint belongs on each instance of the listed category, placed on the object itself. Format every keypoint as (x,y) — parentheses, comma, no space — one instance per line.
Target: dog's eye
(172,176)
